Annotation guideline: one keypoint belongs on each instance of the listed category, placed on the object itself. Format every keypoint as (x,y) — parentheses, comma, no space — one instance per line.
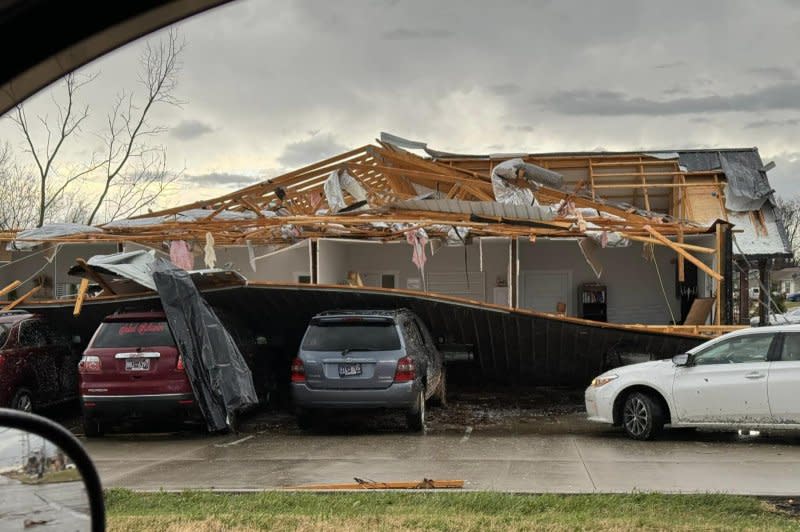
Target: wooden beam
(680,251)
(94,275)
(687,247)
(681,263)
(24,297)
(720,279)
(11,286)
(81,296)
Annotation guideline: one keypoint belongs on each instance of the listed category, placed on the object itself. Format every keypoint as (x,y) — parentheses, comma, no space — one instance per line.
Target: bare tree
(132,172)
(53,183)
(18,194)
(128,127)
(788,209)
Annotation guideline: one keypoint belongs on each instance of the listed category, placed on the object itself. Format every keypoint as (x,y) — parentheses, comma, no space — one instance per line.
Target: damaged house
(648,244)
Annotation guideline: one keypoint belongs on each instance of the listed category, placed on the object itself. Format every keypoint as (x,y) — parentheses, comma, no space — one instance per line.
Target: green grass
(67,475)
(478,511)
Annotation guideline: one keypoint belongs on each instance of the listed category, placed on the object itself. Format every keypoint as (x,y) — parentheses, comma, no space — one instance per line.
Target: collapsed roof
(383,191)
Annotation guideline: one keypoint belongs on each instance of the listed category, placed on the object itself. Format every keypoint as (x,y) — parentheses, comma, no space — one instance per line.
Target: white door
(544,290)
(726,383)
(784,381)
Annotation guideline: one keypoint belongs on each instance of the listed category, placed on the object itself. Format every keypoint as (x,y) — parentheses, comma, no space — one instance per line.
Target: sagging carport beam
(685,254)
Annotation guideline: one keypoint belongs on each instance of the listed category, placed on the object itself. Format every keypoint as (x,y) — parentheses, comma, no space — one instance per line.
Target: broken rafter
(680,251)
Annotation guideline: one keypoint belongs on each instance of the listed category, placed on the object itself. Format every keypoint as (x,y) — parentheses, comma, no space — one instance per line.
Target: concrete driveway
(503,449)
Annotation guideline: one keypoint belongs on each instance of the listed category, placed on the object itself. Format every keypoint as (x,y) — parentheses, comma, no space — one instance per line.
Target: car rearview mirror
(43,462)
(681,360)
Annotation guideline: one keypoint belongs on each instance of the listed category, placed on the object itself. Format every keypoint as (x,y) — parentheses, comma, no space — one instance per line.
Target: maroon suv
(37,367)
(132,370)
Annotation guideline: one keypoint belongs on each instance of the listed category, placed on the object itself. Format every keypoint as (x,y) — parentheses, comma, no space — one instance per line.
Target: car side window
(31,335)
(738,350)
(411,330)
(791,348)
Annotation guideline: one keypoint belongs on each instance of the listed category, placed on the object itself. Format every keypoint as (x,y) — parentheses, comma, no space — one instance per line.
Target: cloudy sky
(271,85)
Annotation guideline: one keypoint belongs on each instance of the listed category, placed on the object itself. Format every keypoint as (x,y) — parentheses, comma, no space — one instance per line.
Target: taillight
(179,366)
(89,364)
(406,371)
(298,370)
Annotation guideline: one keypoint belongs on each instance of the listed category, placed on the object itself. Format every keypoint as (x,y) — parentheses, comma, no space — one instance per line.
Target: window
(31,335)
(388,280)
(740,350)
(791,348)
(303,278)
(338,335)
(133,334)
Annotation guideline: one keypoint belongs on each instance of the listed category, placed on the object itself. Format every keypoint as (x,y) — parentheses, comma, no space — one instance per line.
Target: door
(33,346)
(544,290)
(784,381)
(726,383)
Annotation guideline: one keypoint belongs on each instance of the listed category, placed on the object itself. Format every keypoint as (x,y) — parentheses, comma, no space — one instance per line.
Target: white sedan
(745,379)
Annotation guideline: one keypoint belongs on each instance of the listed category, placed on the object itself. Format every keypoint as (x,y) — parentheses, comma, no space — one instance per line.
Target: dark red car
(132,370)
(37,365)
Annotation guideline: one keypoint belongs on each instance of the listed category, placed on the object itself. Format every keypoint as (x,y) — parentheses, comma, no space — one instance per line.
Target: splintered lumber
(680,251)
(688,247)
(11,286)
(24,297)
(96,276)
(81,296)
(360,484)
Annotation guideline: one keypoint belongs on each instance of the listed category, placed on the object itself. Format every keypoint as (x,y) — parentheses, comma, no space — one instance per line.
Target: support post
(513,270)
(727,263)
(764,298)
(744,294)
(720,279)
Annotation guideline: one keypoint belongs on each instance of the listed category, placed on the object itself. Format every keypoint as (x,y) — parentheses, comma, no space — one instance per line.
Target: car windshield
(355,336)
(133,334)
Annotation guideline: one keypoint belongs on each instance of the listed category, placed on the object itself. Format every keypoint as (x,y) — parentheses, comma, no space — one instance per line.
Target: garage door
(469,285)
(544,290)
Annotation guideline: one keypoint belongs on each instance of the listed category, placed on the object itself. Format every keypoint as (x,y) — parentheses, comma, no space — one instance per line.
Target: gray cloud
(405,34)
(505,89)
(609,103)
(774,72)
(312,149)
(190,129)
(700,120)
(759,124)
(222,179)
(674,64)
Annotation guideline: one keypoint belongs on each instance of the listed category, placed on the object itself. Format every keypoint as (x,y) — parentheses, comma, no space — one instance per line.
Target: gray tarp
(133,265)
(26,239)
(221,381)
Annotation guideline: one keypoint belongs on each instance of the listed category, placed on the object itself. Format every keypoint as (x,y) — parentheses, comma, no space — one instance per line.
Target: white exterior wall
(633,289)
(25,264)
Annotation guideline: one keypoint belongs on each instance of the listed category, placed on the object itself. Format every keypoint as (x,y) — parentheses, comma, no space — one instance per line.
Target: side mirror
(682,359)
(52,459)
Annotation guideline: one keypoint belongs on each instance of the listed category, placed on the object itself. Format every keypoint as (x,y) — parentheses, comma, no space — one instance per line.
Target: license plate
(349,370)
(137,364)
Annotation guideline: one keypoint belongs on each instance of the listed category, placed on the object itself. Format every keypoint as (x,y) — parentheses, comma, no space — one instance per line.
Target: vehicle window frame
(26,323)
(767,358)
(779,350)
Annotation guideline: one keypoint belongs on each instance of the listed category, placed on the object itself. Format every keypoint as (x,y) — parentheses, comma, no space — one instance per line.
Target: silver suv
(353,359)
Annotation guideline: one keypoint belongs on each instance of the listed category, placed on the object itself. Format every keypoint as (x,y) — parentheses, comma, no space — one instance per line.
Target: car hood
(655,366)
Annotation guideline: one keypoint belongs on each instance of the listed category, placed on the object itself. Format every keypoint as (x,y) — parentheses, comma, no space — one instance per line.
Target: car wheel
(22,400)
(305,420)
(440,397)
(415,418)
(92,428)
(642,417)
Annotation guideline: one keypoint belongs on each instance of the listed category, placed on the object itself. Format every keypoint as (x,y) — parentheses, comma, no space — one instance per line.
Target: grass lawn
(205,511)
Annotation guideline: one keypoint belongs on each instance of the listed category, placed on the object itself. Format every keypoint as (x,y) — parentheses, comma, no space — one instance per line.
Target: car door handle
(754,375)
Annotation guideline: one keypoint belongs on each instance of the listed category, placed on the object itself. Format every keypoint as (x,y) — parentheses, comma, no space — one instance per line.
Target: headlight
(603,380)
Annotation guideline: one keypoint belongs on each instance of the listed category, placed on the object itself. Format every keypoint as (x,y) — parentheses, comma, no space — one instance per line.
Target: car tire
(415,418)
(305,420)
(22,400)
(642,416)
(92,428)
(440,397)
